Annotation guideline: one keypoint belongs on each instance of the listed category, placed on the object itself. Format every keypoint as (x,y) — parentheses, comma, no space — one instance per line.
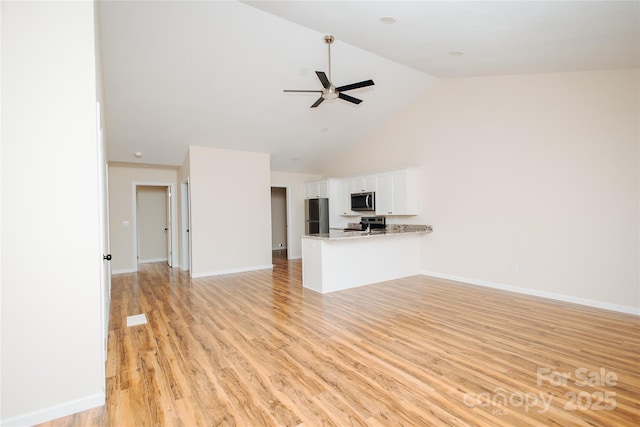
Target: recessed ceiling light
(388,20)
(456,53)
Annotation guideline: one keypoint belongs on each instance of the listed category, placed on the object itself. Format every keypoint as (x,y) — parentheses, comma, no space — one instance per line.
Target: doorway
(153,213)
(154,239)
(279,222)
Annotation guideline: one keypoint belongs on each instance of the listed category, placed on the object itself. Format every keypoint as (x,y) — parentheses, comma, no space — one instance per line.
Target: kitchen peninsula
(346,259)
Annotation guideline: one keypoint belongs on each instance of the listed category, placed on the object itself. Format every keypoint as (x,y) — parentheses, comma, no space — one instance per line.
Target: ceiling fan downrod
(328,39)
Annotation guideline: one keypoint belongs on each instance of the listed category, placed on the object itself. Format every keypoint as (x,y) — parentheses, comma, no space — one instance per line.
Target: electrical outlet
(515,268)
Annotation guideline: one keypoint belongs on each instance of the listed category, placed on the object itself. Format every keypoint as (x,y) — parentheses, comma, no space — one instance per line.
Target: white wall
(294,182)
(52,360)
(230,196)
(529,181)
(122,177)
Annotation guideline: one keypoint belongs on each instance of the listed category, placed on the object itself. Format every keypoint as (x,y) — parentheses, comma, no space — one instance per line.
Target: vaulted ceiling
(180,73)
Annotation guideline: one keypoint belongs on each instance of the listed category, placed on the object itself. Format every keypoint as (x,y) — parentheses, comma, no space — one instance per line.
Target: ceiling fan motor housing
(330,93)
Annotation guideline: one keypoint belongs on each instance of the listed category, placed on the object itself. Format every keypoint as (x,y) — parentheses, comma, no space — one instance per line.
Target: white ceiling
(186,73)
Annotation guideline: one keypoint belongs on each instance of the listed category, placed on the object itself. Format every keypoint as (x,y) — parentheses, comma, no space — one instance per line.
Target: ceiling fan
(330,91)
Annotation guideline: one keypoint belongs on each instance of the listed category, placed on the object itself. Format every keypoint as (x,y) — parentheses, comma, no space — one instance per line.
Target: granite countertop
(340,234)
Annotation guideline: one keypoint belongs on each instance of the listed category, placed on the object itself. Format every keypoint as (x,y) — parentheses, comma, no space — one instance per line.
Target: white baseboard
(232,271)
(54,412)
(146,261)
(124,271)
(533,292)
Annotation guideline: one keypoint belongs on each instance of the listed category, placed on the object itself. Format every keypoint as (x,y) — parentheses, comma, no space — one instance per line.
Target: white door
(152,224)
(105,266)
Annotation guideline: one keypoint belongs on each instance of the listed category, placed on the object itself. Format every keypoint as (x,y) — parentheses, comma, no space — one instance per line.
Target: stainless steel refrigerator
(316,213)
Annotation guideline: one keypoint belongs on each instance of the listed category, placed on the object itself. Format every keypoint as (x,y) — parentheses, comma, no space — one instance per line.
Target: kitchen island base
(330,265)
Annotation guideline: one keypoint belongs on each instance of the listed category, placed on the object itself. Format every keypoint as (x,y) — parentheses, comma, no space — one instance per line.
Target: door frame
(288,211)
(288,203)
(185,224)
(105,233)
(173,210)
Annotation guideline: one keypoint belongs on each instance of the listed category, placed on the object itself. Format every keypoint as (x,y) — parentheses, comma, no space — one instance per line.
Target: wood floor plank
(257,349)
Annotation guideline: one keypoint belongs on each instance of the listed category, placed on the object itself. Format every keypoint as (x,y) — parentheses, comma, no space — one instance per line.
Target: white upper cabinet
(360,184)
(384,202)
(356,184)
(316,190)
(343,198)
(397,192)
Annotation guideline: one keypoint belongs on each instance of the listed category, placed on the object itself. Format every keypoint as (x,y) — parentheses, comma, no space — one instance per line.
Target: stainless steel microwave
(363,201)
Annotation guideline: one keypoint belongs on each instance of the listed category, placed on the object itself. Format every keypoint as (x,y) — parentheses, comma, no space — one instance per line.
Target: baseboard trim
(124,271)
(54,412)
(147,261)
(533,292)
(232,271)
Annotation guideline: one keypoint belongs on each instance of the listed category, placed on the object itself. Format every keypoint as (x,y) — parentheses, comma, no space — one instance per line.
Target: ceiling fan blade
(302,90)
(358,85)
(323,79)
(349,98)
(318,102)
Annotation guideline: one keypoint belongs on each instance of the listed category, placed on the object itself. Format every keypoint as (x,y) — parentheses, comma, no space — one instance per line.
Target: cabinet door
(323,189)
(363,183)
(310,190)
(344,197)
(337,206)
(316,190)
(405,192)
(357,185)
(397,193)
(384,194)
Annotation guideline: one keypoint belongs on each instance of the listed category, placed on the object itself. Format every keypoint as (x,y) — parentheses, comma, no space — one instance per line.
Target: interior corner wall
(529,181)
(230,195)
(52,359)
(121,210)
(294,182)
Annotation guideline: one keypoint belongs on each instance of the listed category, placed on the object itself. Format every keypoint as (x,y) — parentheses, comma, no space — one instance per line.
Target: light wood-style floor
(256,349)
